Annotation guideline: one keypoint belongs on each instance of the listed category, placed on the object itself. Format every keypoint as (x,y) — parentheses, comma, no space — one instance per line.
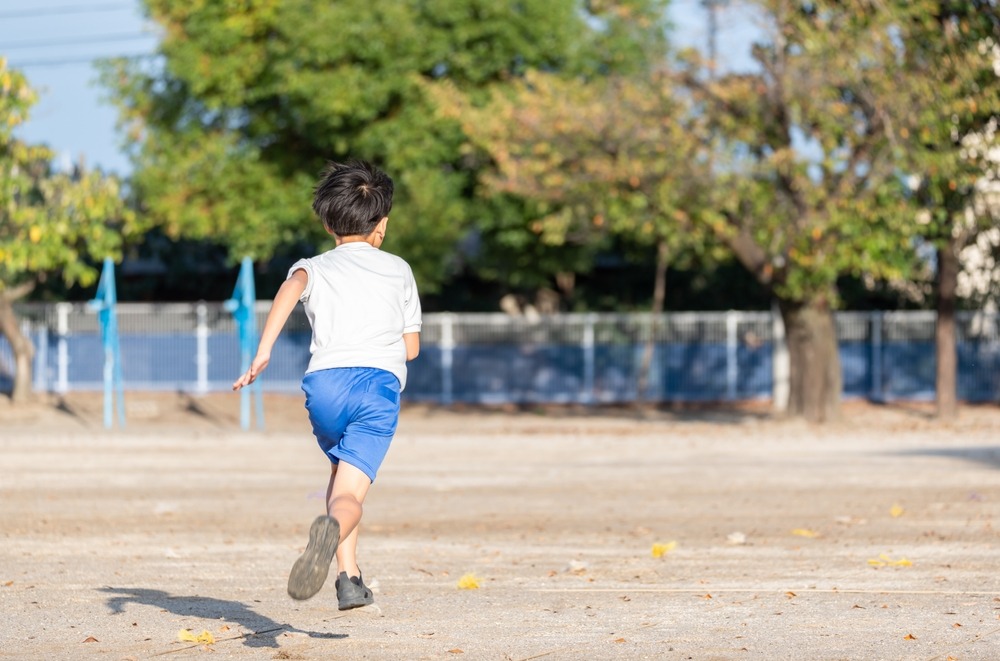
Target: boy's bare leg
(345,494)
(347,554)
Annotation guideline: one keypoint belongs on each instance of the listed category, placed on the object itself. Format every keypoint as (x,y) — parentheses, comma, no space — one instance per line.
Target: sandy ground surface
(872,538)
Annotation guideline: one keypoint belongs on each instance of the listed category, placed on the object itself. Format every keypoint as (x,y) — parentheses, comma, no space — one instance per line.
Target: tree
(953,96)
(816,139)
(612,157)
(50,223)
(253,97)
(622,37)
(794,166)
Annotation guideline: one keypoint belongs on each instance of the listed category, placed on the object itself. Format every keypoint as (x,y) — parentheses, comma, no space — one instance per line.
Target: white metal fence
(495,358)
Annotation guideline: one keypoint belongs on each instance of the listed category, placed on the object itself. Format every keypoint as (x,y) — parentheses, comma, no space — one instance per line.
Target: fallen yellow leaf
(884,560)
(661,549)
(205,637)
(896,511)
(468,582)
(909,636)
(804,532)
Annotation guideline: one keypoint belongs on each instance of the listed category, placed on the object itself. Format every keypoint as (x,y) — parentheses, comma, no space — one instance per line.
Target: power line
(96,39)
(65,9)
(79,60)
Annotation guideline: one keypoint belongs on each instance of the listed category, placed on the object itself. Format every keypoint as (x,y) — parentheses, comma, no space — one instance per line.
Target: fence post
(41,359)
(201,354)
(587,396)
(780,363)
(62,348)
(876,386)
(732,366)
(447,357)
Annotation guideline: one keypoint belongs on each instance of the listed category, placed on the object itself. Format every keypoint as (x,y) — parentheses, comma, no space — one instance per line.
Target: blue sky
(54,43)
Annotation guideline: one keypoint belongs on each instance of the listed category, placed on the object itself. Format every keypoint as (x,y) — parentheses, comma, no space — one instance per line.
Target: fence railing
(495,358)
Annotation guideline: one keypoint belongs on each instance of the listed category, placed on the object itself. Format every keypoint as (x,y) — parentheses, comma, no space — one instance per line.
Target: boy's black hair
(351,198)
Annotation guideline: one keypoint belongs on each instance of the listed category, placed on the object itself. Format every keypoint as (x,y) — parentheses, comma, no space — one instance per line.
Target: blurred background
(602,201)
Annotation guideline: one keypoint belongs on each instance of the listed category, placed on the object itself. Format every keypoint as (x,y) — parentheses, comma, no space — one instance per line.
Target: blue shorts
(354,412)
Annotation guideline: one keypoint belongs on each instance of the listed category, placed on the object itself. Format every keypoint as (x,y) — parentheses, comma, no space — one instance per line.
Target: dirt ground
(871,538)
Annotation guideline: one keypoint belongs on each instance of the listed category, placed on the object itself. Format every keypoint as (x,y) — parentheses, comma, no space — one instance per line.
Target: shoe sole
(356,603)
(310,571)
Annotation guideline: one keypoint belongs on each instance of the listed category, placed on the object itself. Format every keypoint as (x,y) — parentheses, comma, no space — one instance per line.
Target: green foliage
(608,158)
(809,147)
(255,95)
(953,100)
(795,167)
(51,223)
(850,98)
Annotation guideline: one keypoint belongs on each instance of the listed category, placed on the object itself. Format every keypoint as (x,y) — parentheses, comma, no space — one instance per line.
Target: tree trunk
(20,345)
(815,380)
(946,373)
(659,296)
(566,283)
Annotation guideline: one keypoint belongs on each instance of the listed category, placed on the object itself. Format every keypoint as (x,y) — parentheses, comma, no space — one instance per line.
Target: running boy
(364,311)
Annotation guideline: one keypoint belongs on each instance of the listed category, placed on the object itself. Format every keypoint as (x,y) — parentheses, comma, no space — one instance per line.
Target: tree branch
(749,254)
(849,180)
(690,80)
(16,292)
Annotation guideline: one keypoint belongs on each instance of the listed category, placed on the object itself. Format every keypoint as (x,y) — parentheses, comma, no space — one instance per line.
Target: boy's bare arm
(284,302)
(412,342)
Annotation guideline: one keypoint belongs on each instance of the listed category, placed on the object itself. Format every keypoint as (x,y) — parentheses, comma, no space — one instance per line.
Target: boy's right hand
(256,367)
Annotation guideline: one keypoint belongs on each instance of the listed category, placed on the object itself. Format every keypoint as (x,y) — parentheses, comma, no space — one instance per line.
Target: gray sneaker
(310,570)
(352,592)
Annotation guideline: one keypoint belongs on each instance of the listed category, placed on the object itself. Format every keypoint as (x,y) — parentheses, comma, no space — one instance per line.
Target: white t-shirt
(359,301)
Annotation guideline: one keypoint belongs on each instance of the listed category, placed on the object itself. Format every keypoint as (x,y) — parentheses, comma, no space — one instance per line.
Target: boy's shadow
(264,630)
